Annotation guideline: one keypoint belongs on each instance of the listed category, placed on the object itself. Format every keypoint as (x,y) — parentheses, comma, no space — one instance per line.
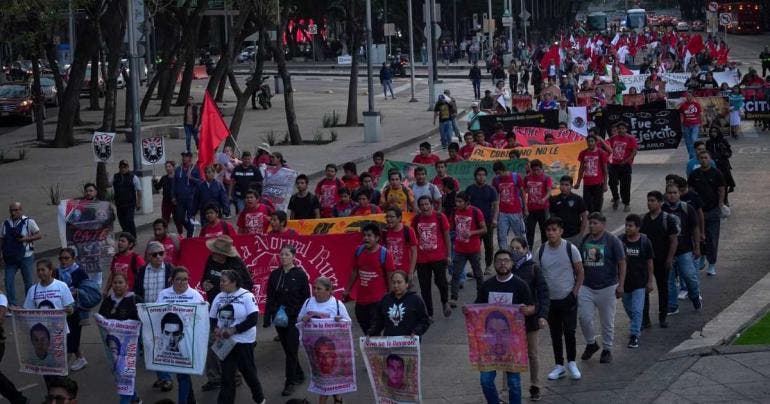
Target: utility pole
(388,50)
(372,128)
(489,30)
(136,127)
(434,44)
(411,49)
(431,66)
(71,29)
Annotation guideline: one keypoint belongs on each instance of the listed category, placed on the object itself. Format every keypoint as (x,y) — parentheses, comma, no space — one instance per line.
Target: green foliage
(330,120)
(54,194)
(270,138)
(757,334)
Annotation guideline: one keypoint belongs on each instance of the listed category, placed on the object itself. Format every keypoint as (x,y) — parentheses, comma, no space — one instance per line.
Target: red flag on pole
(213,132)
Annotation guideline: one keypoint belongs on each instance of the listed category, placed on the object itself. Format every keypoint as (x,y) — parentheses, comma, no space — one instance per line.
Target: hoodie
(400,316)
(530,273)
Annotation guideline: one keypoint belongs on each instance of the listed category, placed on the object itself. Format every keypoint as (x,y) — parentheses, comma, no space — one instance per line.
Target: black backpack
(569,253)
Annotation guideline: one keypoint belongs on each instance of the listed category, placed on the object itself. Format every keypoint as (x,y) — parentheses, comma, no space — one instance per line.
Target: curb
(360,74)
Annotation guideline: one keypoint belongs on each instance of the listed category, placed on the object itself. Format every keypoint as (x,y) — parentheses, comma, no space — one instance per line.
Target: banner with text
(715,111)
(756,105)
(462,171)
(175,336)
(536,136)
(41,341)
(543,119)
(329,348)
(655,128)
(339,225)
(278,185)
(393,366)
(674,82)
(497,337)
(120,339)
(86,226)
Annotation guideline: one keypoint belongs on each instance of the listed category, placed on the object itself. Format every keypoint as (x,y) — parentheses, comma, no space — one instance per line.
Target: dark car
(16,101)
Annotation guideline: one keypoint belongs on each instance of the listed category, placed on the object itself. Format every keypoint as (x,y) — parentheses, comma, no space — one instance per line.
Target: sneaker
(591,349)
(78,364)
(712,271)
(698,304)
(447,310)
(672,312)
(615,203)
(534,393)
(682,295)
(453,303)
(574,372)
(210,386)
(606,356)
(633,342)
(626,208)
(557,373)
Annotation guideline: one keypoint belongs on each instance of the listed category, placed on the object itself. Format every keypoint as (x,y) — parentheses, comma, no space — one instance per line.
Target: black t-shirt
(693,199)
(658,233)
(637,254)
(513,291)
(706,183)
(246,177)
(304,207)
(568,208)
(686,220)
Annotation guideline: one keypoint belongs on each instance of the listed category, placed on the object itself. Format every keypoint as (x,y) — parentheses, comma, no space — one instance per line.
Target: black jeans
(535,217)
(7,388)
(488,248)
(620,174)
(126,218)
(184,212)
(366,315)
(593,196)
(425,272)
(73,338)
(241,358)
(290,343)
(713,222)
(661,282)
(562,320)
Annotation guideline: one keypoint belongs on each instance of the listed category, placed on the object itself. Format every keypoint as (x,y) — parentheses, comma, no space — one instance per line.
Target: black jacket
(398,317)
(124,310)
(139,279)
(213,271)
(287,289)
(530,273)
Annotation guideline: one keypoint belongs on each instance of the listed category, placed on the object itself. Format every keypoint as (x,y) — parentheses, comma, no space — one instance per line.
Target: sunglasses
(157,254)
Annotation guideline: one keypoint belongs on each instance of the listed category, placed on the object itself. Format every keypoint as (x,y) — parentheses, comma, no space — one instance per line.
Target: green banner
(462,171)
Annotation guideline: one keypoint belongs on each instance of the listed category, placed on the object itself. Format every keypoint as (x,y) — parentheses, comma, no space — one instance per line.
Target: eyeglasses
(56,399)
(157,254)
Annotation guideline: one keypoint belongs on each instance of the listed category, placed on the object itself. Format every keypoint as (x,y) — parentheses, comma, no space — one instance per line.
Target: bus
(746,17)
(636,19)
(597,21)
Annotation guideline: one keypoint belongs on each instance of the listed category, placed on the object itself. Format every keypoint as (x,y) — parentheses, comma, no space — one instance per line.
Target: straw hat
(222,245)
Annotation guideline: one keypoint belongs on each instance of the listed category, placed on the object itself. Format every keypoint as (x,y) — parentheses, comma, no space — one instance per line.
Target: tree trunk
(190,41)
(102,181)
(94,84)
(37,96)
(236,36)
(50,53)
(220,96)
(187,76)
(165,102)
(113,28)
(295,137)
(251,86)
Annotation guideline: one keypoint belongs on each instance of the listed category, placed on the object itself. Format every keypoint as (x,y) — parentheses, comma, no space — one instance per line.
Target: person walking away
(662,230)
(687,250)
(452,113)
(186,180)
(433,240)
(735,100)
(191,123)
(469,226)
(73,276)
(441,110)
(562,270)
(721,151)
(323,307)
(485,197)
(386,80)
(127,192)
(7,388)
(512,290)
(605,274)
(512,205)
(241,329)
(709,183)
(475,77)
(537,186)
(690,111)
(373,263)
(593,174)
(17,248)
(525,268)
(639,272)
(513,76)
(624,149)
(166,187)
(571,209)
(411,320)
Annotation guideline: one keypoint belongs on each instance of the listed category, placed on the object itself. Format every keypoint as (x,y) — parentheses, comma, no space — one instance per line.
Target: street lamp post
(136,127)
(429,48)
(411,49)
(372,128)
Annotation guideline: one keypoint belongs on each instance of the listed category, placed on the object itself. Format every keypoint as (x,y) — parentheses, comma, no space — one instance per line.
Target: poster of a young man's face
(113,345)
(172,329)
(326,355)
(226,316)
(41,340)
(498,332)
(394,371)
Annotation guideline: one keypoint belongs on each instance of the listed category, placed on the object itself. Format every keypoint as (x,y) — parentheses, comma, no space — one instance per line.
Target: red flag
(624,70)
(552,54)
(213,132)
(695,44)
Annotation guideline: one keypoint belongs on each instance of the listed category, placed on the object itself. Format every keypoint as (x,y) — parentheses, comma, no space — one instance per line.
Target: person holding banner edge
(7,388)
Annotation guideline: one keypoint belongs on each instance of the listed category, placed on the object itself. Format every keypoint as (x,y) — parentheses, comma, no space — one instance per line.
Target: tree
(295,137)
(346,10)
(113,28)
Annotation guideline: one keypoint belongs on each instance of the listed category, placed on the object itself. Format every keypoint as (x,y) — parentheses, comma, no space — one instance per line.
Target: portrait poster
(175,336)
(87,226)
(101,144)
(41,341)
(278,185)
(153,150)
(329,348)
(497,337)
(393,366)
(121,340)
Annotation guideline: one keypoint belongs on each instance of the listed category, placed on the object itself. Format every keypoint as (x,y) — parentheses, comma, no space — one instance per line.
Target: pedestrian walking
(246,176)
(186,180)
(690,111)
(211,191)
(709,183)
(687,250)
(191,123)
(721,152)
(127,194)
(73,276)
(624,149)
(639,272)
(469,225)
(412,319)
(433,243)
(512,207)
(571,209)
(537,187)
(485,197)
(386,79)
(401,242)
(593,174)
(735,101)
(17,248)
(662,230)
(442,111)
(475,77)
(170,241)
(303,204)
(166,187)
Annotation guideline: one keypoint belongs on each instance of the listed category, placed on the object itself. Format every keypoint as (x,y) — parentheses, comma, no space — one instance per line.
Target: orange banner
(340,225)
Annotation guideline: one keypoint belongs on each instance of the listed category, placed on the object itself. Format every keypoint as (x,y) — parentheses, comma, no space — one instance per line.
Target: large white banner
(175,336)
(41,341)
(674,81)
(393,365)
(120,339)
(278,185)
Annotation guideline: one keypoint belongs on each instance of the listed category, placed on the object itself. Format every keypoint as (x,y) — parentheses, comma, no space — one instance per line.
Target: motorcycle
(263,95)
(398,66)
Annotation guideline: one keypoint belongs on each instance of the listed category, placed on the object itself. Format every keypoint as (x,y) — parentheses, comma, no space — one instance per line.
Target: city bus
(636,19)
(597,22)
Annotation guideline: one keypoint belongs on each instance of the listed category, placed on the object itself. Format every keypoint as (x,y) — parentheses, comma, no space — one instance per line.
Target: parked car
(16,101)
(48,88)
(682,26)
(247,54)
(86,87)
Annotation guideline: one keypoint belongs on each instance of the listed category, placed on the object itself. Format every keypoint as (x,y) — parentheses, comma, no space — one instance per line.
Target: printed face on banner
(40,340)
(88,229)
(497,337)
(172,345)
(329,346)
(393,370)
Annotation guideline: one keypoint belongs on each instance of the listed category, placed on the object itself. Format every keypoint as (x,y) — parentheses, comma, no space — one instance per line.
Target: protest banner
(175,336)
(714,111)
(670,82)
(278,185)
(462,171)
(86,226)
(153,150)
(497,337)
(329,348)
(101,143)
(633,100)
(536,136)
(393,366)
(121,340)
(654,126)
(521,103)
(543,119)
(41,341)
(578,120)
(339,225)
(558,159)
(755,105)
(329,255)
(585,98)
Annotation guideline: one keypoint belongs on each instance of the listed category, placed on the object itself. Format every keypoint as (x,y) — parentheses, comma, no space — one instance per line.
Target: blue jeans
(634,304)
(506,223)
(490,391)
(190,132)
(185,395)
(690,135)
(387,85)
(455,129)
(10,277)
(684,267)
(476,89)
(128,398)
(240,203)
(445,129)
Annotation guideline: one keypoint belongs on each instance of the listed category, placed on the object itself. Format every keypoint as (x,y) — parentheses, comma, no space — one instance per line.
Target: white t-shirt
(30,227)
(3,300)
(57,293)
(190,295)
(243,303)
(328,309)
(428,189)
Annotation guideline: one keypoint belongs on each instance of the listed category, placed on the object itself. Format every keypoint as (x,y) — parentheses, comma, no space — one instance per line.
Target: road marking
(754,150)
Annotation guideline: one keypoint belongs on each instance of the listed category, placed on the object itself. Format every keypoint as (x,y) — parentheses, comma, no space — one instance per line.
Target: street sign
(713,6)
(507,21)
(725,18)
(436,32)
(524,15)
(390,29)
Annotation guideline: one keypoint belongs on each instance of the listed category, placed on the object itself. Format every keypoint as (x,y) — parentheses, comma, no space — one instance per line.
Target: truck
(746,17)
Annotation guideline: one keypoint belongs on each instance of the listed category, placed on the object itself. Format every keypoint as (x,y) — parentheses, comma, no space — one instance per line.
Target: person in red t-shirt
(432,230)
(512,143)
(498,138)
(624,150)
(469,226)
(327,191)
(255,216)
(125,261)
(441,173)
(372,268)
(690,111)
(365,207)
(510,188)
(538,186)
(480,139)
(467,150)
(425,156)
(401,241)
(454,153)
(378,167)
(278,222)
(593,174)
(170,241)
(350,178)
(215,226)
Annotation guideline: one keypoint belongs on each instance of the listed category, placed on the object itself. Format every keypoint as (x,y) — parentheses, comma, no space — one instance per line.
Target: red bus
(746,17)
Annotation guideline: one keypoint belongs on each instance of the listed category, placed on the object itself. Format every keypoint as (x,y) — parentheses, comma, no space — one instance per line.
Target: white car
(682,26)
